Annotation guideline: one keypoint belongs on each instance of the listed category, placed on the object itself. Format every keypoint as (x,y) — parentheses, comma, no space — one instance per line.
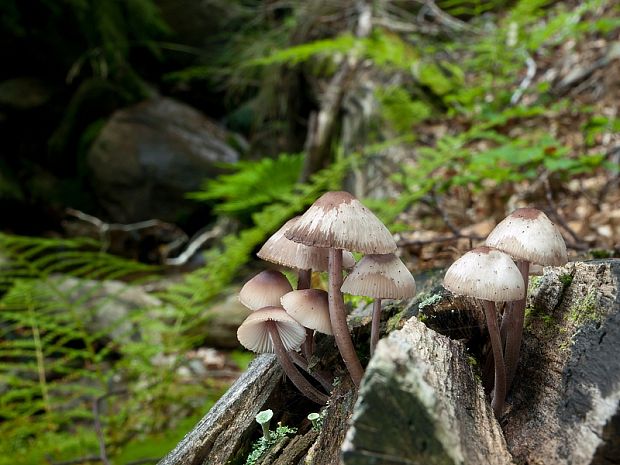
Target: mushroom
(264,290)
(282,251)
(338,221)
(487,274)
(529,237)
(270,330)
(380,277)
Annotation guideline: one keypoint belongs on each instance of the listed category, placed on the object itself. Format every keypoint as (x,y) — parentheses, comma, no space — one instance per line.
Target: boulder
(148,156)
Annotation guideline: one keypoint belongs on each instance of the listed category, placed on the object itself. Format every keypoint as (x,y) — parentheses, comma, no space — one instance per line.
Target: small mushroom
(270,330)
(264,290)
(282,251)
(491,276)
(380,277)
(529,237)
(338,221)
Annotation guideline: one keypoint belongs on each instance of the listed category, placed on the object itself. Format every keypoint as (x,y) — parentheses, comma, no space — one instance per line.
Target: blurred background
(149,147)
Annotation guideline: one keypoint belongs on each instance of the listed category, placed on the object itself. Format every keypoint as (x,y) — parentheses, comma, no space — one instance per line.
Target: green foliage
(253,185)
(262,445)
(58,353)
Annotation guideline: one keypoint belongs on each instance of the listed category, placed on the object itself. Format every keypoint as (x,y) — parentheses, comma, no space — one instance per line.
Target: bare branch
(527,80)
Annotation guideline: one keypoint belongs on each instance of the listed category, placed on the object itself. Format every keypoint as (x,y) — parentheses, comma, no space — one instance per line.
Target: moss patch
(586,310)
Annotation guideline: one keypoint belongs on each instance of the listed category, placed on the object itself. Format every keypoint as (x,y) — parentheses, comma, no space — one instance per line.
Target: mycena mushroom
(529,237)
(381,277)
(270,330)
(491,276)
(338,221)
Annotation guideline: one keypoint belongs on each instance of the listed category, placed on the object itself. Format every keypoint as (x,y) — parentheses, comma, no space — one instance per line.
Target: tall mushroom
(338,221)
(529,237)
(270,330)
(380,277)
(491,276)
(282,251)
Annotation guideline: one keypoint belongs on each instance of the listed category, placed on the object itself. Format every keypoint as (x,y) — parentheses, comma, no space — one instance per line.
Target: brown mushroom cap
(264,290)
(485,273)
(310,308)
(340,221)
(527,234)
(380,276)
(253,333)
(282,251)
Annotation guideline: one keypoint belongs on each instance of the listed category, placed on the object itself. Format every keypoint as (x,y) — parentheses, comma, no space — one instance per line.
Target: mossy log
(421,400)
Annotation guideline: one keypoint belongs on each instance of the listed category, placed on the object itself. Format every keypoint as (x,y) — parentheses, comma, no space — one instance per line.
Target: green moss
(430,300)
(566,279)
(535,282)
(586,310)
(601,253)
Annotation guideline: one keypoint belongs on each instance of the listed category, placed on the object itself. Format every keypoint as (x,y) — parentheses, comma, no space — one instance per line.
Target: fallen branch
(527,80)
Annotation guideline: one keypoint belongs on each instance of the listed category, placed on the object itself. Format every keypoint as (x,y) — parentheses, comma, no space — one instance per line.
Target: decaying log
(216,437)
(565,403)
(420,402)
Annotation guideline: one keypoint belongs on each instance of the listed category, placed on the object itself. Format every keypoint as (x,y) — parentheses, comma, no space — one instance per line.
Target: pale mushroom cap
(485,273)
(264,290)
(527,234)
(253,333)
(310,308)
(338,220)
(381,277)
(282,251)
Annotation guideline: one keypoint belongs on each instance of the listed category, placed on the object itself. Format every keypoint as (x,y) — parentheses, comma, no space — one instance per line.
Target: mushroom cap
(253,334)
(310,308)
(485,273)
(340,221)
(264,290)
(380,276)
(282,251)
(527,234)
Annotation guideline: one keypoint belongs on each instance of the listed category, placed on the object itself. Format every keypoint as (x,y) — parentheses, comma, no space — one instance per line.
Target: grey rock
(148,156)
(420,402)
(106,307)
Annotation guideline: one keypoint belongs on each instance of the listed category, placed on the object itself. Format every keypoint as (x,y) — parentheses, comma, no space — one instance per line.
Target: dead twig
(97,423)
(527,80)
(197,242)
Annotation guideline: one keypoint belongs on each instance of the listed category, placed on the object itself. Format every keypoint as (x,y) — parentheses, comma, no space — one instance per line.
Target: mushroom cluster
(498,272)
(322,239)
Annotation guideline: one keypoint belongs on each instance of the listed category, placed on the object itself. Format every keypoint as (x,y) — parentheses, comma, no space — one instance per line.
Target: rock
(420,402)
(148,156)
(106,307)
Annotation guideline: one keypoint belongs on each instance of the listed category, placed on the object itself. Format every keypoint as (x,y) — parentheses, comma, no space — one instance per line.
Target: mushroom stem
(499,393)
(512,327)
(374,328)
(322,377)
(338,318)
(295,376)
(304,281)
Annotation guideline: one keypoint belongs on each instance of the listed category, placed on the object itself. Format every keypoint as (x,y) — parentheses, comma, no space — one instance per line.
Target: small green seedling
(263,418)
